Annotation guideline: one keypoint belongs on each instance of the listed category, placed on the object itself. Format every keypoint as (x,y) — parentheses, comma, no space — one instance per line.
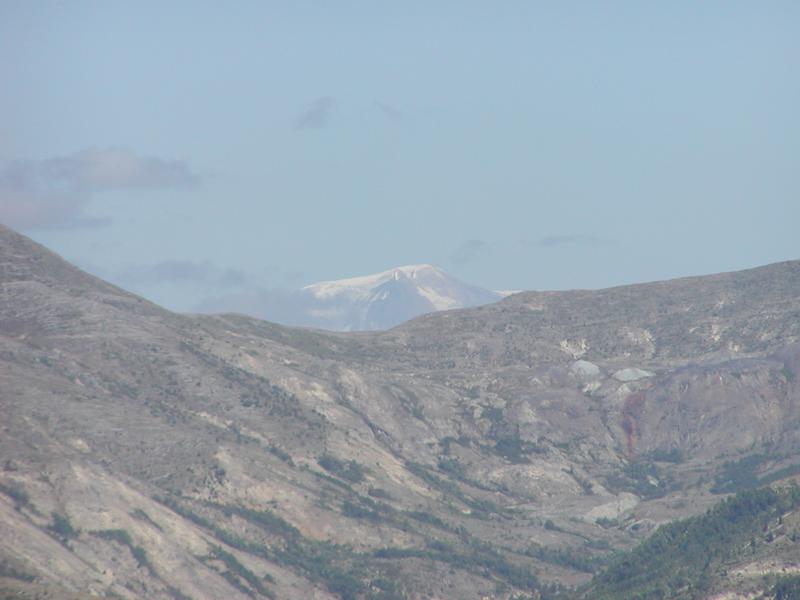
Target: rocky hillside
(500,451)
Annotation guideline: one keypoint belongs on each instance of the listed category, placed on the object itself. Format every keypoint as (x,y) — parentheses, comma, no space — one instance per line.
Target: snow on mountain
(386,299)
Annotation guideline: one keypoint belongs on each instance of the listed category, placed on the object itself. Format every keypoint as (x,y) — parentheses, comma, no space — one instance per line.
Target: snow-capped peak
(385,299)
(366,283)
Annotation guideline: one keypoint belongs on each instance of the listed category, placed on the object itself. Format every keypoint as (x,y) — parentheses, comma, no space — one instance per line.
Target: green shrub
(234,566)
(674,455)
(118,535)
(138,513)
(637,479)
(349,470)
(281,454)
(17,494)
(379,493)
(606,522)
(516,449)
(452,466)
(265,518)
(62,527)
(222,535)
(121,536)
(428,518)
(354,511)
(7,569)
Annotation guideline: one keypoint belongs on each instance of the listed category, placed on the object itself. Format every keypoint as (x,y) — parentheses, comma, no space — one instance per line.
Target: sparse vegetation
(121,536)
(232,539)
(451,466)
(20,497)
(642,478)
(356,511)
(349,470)
(743,474)
(62,527)
(176,593)
(479,556)
(607,523)
(427,518)
(337,567)
(241,572)
(550,525)
(138,513)
(443,485)
(281,454)
(7,569)
(674,455)
(346,573)
(378,493)
(579,560)
(515,449)
(264,518)
(738,475)
(480,508)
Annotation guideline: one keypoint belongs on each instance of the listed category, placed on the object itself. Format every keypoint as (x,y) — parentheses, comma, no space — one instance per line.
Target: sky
(196,151)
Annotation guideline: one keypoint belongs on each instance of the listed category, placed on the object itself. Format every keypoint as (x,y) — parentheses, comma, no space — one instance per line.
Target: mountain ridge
(495,451)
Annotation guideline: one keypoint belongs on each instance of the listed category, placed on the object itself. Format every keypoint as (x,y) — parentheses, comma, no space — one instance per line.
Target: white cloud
(54,192)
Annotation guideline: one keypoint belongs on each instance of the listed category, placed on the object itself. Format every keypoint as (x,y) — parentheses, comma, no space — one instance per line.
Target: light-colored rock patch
(632,374)
(583,369)
(612,510)
(79,444)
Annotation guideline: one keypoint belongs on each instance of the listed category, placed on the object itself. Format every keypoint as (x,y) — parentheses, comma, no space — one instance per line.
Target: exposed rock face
(152,455)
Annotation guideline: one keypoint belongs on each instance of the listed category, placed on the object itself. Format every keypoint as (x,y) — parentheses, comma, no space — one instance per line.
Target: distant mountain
(386,299)
(506,451)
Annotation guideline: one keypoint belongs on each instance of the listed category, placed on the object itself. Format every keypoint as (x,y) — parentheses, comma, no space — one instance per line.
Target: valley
(502,451)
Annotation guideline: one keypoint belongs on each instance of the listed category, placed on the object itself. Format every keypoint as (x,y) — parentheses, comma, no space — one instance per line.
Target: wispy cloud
(54,192)
(317,115)
(389,112)
(571,240)
(115,168)
(469,251)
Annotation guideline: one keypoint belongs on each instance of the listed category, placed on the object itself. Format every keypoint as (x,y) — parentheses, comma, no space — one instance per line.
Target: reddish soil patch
(631,412)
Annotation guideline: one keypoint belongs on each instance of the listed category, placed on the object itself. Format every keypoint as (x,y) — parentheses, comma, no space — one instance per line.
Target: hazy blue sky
(195,149)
